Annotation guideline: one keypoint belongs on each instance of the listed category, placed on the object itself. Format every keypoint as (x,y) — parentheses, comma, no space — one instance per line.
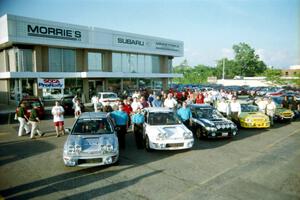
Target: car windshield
(91,127)
(109,96)
(277,100)
(249,108)
(31,104)
(163,118)
(208,113)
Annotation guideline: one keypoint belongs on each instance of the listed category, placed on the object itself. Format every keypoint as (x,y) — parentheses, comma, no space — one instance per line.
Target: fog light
(108,160)
(162,146)
(234,133)
(213,134)
(190,144)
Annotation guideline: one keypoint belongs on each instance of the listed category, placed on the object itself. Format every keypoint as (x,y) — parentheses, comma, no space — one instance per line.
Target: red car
(29,103)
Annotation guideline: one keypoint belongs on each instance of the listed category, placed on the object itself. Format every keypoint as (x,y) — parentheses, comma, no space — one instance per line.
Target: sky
(208,28)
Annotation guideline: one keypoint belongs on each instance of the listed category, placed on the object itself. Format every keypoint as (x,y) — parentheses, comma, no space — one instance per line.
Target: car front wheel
(147,144)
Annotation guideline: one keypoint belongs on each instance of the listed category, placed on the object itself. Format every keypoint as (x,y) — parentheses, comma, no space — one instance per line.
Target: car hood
(256,115)
(91,142)
(172,131)
(214,121)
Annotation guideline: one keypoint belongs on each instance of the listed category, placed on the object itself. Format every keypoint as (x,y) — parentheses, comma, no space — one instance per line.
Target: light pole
(223,73)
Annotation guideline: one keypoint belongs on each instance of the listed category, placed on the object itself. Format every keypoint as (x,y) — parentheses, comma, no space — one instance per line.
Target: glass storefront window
(94,61)
(155,64)
(68,60)
(21,88)
(62,60)
(114,85)
(130,84)
(72,87)
(170,66)
(116,62)
(135,63)
(145,83)
(25,60)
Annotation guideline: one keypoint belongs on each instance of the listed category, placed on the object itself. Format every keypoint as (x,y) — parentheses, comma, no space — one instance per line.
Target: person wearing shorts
(58,118)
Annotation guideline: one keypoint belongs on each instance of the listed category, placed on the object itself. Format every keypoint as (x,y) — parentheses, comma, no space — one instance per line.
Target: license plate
(224,134)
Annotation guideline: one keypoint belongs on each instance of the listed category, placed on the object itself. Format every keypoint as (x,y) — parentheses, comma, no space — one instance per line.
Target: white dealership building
(48,59)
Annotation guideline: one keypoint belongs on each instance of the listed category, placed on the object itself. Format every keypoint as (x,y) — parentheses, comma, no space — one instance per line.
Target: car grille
(174,145)
(287,114)
(89,161)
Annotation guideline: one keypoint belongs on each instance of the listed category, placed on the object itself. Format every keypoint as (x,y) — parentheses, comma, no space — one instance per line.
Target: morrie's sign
(52,32)
(51,83)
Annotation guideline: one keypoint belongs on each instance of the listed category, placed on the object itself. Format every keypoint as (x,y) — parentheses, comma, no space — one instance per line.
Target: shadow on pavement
(17,150)
(71,181)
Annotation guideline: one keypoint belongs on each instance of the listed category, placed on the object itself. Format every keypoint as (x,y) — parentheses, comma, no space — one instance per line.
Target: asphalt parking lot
(257,164)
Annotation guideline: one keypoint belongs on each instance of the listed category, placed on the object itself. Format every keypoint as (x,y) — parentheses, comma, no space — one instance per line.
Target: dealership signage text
(51,32)
(51,83)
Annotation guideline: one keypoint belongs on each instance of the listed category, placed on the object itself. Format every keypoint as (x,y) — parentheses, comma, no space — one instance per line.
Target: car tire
(147,144)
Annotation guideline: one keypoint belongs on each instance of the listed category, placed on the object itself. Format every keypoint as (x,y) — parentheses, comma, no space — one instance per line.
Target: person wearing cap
(270,110)
(138,120)
(235,109)
(22,119)
(34,121)
(120,119)
(185,114)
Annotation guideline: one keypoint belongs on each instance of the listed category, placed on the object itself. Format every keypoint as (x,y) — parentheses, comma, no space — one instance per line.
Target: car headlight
(248,120)
(78,148)
(223,126)
(188,135)
(218,126)
(161,136)
(232,126)
(71,149)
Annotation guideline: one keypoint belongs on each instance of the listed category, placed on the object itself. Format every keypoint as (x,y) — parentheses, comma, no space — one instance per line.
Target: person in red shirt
(128,109)
(200,99)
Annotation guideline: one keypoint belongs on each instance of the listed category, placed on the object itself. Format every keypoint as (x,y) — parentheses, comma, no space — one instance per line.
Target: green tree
(231,68)
(249,62)
(273,76)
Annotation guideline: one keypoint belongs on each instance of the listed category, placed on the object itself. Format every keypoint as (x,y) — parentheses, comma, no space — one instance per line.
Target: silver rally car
(164,131)
(91,142)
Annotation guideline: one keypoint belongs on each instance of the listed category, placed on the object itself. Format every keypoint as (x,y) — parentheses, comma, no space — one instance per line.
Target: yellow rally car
(250,117)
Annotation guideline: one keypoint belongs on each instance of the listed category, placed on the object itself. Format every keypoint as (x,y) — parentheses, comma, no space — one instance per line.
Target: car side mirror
(67,130)
(117,128)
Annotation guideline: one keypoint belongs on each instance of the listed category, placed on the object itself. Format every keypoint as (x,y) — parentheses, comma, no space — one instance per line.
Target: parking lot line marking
(280,140)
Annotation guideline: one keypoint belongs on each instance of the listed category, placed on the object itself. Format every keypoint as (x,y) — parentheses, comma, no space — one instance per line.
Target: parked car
(164,131)
(250,117)
(210,123)
(282,114)
(29,102)
(92,141)
(67,103)
(108,98)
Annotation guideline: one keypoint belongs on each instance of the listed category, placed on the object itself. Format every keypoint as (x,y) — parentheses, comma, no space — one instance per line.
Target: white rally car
(164,131)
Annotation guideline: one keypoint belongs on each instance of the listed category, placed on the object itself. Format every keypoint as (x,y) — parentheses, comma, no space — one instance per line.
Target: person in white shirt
(58,118)
(170,102)
(235,110)
(270,110)
(262,103)
(95,101)
(77,109)
(136,104)
(223,107)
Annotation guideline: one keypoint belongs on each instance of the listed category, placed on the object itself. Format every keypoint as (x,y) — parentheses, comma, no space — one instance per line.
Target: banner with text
(51,83)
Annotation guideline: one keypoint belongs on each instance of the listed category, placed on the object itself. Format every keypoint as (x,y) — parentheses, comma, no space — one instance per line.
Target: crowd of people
(128,111)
